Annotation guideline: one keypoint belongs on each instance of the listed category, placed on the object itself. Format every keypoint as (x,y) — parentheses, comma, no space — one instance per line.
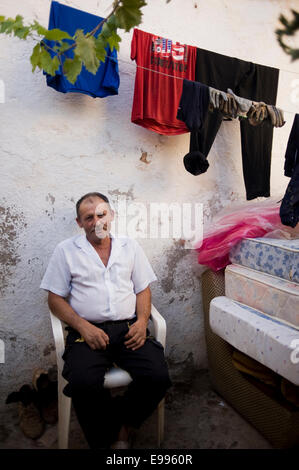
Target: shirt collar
(82,242)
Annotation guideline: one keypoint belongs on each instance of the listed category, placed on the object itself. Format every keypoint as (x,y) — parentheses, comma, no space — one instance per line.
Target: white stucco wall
(56,147)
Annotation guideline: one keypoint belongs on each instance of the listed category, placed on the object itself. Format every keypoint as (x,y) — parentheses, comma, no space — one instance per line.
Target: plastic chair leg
(64,414)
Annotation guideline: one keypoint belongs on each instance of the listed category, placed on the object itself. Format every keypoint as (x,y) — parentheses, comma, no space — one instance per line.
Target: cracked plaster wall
(56,147)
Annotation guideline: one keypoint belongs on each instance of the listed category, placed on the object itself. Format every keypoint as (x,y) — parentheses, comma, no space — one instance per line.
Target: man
(99,286)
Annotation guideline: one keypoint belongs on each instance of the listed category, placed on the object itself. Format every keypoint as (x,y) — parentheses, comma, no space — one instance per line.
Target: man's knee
(161,379)
(156,379)
(156,366)
(81,382)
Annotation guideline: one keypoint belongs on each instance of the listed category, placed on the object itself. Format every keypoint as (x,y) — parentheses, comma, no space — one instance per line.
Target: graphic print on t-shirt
(157,95)
(167,55)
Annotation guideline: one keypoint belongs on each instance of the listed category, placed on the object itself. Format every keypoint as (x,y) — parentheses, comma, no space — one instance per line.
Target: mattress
(272,256)
(269,294)
(266,339)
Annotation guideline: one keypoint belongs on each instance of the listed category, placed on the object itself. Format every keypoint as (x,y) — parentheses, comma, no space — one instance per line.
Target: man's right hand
(94,336)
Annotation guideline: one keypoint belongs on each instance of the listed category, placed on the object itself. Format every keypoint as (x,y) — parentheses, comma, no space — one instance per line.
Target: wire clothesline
(180,78)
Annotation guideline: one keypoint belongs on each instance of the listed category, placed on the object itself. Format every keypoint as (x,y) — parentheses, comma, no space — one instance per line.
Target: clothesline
(172,76)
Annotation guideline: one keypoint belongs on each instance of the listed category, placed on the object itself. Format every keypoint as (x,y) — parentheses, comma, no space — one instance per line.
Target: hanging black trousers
(101,416)
(251,81)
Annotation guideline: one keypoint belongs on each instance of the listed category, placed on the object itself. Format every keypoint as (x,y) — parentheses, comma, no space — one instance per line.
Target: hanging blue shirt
(106,81)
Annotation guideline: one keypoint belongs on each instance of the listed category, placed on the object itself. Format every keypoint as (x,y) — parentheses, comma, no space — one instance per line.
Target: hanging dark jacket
(289,209)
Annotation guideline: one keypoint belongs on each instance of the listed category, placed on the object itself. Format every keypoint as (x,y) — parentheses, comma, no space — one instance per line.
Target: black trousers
(248,80)
(101,416)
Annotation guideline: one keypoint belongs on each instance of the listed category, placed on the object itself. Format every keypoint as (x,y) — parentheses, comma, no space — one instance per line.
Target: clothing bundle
(233,106)
(180,88)
(197,98)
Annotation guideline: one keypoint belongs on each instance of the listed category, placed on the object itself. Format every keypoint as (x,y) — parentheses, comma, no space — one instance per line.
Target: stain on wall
(48,349)
(11,223)
(115,193)
(173,256)
(181,370)
(143,158)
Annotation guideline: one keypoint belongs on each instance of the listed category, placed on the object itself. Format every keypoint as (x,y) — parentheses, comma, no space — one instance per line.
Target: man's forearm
(136,336)
(143,305)
(61,309)
(95,337)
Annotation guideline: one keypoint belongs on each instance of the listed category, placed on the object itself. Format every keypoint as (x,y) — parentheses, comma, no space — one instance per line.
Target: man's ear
(112,214)
(79,222)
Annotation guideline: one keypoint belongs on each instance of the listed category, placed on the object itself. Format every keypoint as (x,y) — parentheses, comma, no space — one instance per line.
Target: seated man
(99,286)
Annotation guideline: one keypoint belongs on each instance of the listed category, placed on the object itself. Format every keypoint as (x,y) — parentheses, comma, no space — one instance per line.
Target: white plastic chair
(115,377)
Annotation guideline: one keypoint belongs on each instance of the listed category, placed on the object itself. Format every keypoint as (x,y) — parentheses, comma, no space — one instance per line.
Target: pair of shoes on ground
(45,383)
(30,420)
(37,405)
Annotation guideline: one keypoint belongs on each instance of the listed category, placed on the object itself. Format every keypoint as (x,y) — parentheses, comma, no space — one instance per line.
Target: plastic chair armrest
(57,329)
(159,326)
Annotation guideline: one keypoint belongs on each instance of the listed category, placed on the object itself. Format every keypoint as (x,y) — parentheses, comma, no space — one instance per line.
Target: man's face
(95,217)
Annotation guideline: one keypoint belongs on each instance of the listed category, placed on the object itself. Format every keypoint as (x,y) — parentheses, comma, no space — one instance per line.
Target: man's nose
(94,220)
(98,222)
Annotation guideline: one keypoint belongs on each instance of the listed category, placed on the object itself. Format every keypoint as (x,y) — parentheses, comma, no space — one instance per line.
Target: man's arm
(94,337)
(137,334)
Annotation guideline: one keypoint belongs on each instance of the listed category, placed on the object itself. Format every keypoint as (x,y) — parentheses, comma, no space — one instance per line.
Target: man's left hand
(136,335)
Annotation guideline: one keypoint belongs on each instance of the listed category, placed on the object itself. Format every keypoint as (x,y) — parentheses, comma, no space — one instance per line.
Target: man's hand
(136,335)
(94,336)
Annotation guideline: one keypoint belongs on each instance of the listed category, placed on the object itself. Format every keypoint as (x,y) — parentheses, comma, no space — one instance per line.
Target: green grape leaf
(63,46)
(35,56)
(39,28)
(106,31)
(56,35)
(114,41)
(112,22)
(129,14)
(86,50)
(18,22)
(22,33)
(100,44)
(7,25)
(20,30)
(72,68)
(47,63)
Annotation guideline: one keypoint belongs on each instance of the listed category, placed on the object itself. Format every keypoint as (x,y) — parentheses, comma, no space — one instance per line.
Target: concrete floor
(196,417)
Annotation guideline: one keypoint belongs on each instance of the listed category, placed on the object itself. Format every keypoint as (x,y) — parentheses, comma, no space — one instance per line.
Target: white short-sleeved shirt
(96,292)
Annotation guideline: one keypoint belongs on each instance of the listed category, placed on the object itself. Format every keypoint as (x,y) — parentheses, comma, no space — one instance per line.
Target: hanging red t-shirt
(157,95)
